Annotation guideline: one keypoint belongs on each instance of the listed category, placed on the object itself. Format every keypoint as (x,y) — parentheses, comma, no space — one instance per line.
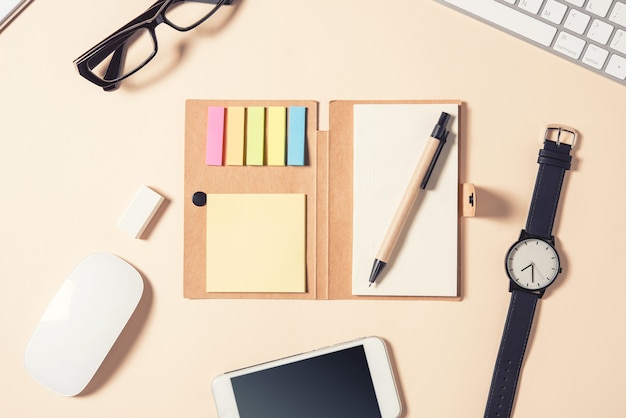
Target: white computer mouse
(81,323)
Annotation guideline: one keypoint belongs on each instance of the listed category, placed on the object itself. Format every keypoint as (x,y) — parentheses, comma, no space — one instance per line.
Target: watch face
(532,263)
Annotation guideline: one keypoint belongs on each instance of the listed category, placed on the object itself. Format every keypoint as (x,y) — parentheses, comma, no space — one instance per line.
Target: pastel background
(72,157)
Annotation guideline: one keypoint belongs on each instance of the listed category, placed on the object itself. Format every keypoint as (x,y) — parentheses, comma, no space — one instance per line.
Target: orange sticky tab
(234,135)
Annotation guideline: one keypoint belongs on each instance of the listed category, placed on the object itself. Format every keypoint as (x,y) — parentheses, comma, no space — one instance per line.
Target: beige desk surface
(72,157)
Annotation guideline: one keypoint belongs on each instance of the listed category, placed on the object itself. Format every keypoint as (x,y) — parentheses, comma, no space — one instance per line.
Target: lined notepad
(255,243)
(388,142)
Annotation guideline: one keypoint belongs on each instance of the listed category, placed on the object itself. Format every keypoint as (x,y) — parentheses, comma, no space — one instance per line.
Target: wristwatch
(532,264)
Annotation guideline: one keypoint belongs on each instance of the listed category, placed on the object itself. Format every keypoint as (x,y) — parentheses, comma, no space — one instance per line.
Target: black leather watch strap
(511,354)
(554,159)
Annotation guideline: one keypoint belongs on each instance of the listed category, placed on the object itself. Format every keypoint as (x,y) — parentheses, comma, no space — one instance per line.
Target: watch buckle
(570,134)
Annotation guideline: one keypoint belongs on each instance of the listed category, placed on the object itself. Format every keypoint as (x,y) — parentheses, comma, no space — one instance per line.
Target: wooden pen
(418,182)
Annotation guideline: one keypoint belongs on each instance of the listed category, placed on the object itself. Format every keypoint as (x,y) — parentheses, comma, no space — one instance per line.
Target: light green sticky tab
(255,135)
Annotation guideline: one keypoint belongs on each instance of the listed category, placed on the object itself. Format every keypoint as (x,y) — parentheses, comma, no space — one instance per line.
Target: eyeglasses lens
(187,14)
(124,58)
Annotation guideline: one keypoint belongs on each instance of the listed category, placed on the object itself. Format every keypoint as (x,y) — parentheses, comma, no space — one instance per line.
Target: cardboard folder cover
(326,179)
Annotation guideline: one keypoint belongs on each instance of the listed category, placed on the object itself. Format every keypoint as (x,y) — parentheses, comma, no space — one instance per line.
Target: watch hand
(541,275)
(532,271)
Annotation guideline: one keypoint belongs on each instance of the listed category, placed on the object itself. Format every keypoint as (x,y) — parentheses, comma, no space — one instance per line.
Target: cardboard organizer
(326,179)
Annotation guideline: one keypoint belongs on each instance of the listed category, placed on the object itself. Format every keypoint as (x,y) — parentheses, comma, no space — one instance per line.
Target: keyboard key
(588,33)
(554,11)
(616,67)
(509,18)
(599,7)
(531,6)
(577,21)
(619,41)
(595,56)
(569,45)
(600,31)
(618,15)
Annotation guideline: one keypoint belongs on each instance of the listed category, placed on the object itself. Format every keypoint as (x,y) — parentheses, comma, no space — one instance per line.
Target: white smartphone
(351,379)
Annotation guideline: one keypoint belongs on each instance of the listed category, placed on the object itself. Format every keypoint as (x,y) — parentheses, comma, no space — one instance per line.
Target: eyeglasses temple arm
(115,66)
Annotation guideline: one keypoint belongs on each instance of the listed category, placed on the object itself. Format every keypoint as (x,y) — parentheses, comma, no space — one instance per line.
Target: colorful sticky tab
(215,136)
(234,135)
(255,134)
(276,135)
(296,137)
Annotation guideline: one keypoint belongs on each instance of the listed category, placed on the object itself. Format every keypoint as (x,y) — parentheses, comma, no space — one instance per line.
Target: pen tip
(376,269)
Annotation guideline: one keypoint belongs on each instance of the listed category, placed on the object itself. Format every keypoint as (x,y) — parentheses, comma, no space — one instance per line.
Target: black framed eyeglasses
(131,47)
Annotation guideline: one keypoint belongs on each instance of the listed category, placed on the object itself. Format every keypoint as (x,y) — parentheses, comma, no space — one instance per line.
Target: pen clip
(431,167)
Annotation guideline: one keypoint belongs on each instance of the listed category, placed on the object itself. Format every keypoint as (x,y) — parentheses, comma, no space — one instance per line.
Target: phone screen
(337,384)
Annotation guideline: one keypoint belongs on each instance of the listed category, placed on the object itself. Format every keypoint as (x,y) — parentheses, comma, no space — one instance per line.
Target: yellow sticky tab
(256,243)
(276,135)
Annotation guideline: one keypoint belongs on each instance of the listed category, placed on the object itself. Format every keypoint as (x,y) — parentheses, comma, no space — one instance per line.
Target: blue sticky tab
(296,135)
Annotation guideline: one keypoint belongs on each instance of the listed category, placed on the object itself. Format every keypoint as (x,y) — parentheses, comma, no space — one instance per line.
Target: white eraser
(140,211)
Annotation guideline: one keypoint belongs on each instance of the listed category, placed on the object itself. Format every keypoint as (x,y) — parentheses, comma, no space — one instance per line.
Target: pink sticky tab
(215,136)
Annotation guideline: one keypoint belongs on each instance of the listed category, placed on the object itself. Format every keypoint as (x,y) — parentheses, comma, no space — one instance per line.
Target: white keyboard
(591,33)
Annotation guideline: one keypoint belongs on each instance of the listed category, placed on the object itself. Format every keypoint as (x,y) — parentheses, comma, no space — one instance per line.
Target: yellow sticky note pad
(256,243)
